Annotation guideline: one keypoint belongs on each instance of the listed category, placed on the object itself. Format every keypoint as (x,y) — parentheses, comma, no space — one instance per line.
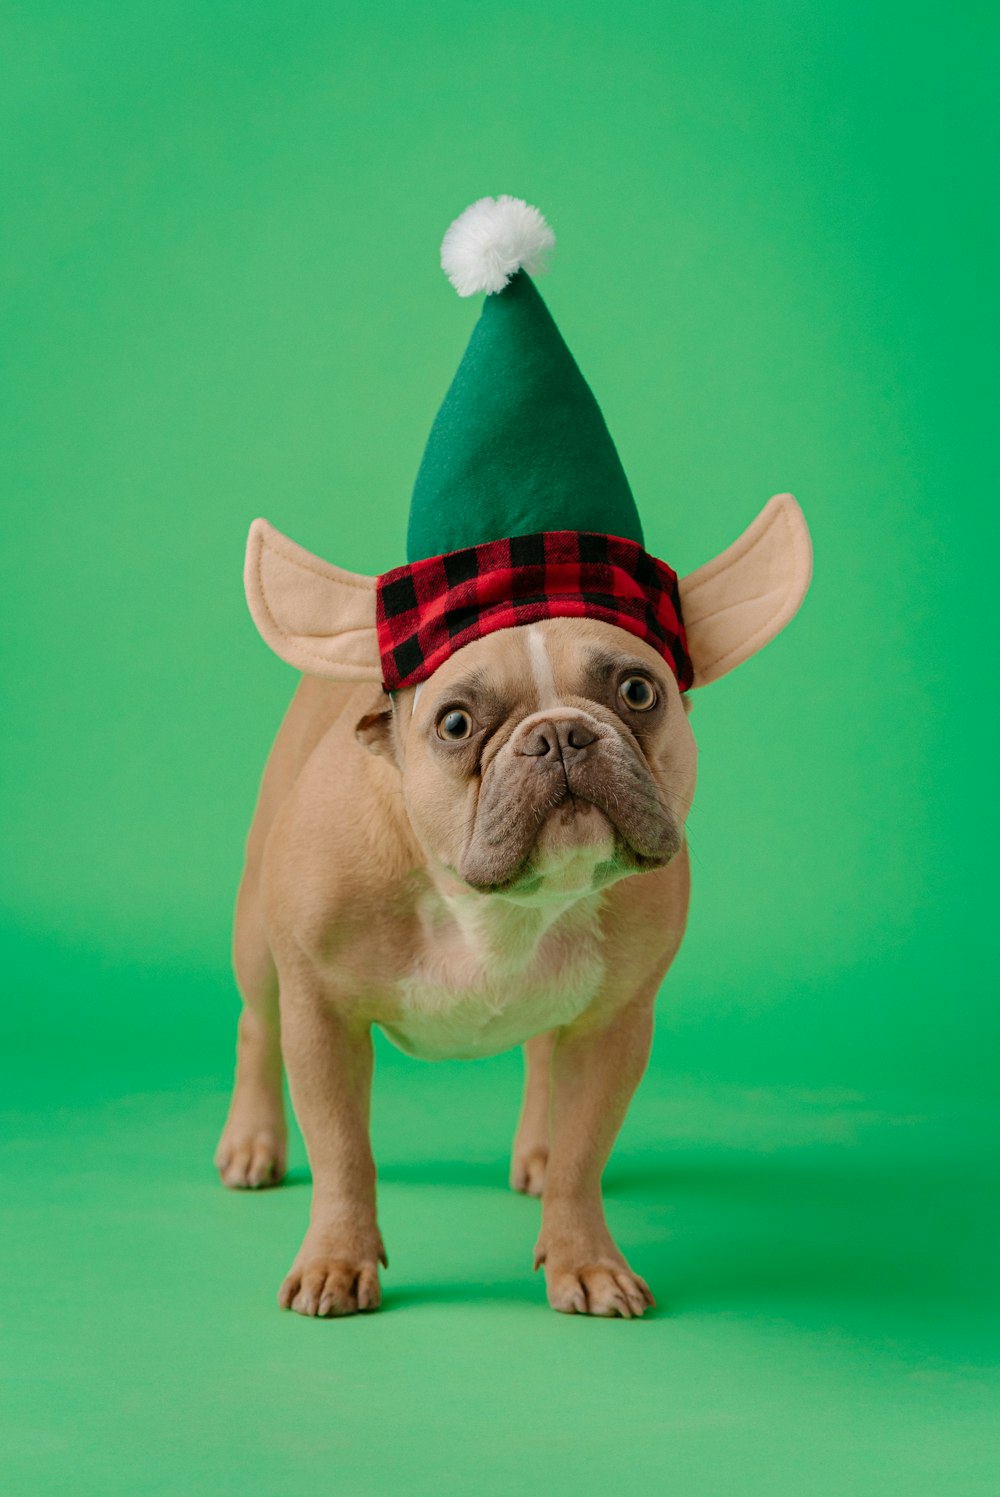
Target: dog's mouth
(579,838)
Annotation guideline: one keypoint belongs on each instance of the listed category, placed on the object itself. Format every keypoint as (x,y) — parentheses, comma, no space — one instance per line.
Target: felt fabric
(430,608)
(742,598)
(519,445)
(317,617)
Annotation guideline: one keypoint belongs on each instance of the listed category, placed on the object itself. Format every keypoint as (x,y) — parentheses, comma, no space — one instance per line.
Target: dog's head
(554,757)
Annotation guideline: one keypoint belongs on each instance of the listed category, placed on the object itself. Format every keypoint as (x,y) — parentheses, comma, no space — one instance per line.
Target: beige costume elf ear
(736,603)
(317,617)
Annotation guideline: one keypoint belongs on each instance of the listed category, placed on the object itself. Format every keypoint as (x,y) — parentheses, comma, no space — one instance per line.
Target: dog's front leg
(329,1065)
(595,1070)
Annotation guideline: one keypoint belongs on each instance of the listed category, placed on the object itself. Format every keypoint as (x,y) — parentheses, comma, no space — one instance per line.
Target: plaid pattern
(430,609)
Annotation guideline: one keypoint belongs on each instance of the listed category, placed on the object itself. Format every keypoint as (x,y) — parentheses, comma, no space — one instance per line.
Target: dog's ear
(375,731)
(317,617)
(736,603)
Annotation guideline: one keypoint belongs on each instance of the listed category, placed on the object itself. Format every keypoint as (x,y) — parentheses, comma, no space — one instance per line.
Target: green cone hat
(519,444)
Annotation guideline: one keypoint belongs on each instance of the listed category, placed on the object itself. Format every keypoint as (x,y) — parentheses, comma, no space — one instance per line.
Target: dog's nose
(560,739)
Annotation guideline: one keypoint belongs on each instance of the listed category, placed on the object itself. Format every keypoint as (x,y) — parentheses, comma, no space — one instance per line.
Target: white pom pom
(492,240)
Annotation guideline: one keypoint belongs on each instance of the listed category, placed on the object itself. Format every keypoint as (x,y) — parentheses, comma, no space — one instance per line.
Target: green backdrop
(222,299)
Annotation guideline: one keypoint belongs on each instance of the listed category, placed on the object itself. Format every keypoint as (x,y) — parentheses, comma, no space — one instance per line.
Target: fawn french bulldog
(494,856)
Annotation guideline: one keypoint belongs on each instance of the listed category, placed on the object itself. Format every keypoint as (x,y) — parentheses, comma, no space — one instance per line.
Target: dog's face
(552,758)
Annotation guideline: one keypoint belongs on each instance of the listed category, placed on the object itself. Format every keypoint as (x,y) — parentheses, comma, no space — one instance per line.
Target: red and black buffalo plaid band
(430,609)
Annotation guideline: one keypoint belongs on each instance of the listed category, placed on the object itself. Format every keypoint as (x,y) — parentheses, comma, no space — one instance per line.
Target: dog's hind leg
(531,1142)
(251,1152)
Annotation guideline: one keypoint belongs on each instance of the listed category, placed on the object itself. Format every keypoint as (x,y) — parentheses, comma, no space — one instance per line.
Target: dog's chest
(484,980)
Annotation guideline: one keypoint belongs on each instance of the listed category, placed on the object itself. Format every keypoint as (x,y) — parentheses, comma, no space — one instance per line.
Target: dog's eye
(454,725)
(638,693)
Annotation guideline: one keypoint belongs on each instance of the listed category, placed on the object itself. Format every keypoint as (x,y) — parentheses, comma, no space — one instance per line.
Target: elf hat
(521,511)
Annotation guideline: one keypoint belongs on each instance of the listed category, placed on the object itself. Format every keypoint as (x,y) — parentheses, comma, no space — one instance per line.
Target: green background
(222,299)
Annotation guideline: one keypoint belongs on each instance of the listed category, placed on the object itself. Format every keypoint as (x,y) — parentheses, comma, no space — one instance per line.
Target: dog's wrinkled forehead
(548,664)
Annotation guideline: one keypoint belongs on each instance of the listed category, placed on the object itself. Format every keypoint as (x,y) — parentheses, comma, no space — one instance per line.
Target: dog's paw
(331,1286)
(605,1288)
(251,1156)
(527,1170)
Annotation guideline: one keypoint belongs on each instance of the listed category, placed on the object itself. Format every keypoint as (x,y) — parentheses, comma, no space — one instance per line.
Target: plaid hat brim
(429,609)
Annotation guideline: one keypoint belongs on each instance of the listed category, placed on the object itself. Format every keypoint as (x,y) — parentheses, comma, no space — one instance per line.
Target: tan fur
(528,887)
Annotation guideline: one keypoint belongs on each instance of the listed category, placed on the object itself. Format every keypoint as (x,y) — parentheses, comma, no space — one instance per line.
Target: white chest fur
(490,973)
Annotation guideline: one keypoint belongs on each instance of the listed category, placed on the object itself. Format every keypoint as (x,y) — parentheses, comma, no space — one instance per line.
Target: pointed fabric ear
(317,617)
(736,603)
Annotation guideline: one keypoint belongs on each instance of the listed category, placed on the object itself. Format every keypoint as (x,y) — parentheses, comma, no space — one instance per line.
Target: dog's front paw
(331,1286)
(598,1282)
(326,1280)
(606,1289)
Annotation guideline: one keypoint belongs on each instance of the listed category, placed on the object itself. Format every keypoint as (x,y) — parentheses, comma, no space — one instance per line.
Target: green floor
(820,1260)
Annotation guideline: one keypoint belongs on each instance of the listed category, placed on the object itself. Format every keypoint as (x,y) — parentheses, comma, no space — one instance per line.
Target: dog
(495,857)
